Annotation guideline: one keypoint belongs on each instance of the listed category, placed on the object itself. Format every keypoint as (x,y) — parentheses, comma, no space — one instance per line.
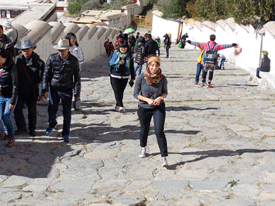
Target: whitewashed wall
(247,37)
(92,47)
(162,26)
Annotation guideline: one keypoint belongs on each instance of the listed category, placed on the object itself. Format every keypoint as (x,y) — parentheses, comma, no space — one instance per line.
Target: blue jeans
(258,72)
(200,69)
(222,62)
(139,68)
(6,116)
(145,116)
(54,98)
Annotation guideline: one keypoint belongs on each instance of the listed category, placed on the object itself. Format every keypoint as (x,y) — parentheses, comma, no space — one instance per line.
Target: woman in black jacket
(140,52)
(8,96)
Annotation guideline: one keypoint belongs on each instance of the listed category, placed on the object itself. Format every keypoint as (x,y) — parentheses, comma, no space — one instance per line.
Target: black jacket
(140,52)
(62,75)
(9,81)
(30,72)
(151,47)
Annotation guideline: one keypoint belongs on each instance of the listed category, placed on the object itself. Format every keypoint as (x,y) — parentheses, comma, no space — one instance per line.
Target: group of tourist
(26,79)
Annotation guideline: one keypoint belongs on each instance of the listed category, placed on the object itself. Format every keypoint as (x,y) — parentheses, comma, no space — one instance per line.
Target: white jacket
(77,52)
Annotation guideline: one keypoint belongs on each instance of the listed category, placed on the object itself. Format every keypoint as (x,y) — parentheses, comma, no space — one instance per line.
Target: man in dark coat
(183,39)
(151,46)
(62,75)
(30,70)
(167,44)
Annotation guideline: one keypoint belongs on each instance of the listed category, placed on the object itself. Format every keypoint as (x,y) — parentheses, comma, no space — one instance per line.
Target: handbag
(77,104)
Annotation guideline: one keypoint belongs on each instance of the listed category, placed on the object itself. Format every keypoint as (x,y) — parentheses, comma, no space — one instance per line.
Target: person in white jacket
(75,49)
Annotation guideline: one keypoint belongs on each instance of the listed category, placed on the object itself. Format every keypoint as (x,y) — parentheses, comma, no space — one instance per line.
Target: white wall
(162,26)
(248,38)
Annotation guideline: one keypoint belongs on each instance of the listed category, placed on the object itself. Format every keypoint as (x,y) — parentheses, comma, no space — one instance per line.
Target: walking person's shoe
(49,130)
(202,84)
(66,138)
(259,77)
(5,136)
(116,108)
(209,86)
(10,143)
(196,82)
(122,110)
(142,152)
(32,133)
(164,162)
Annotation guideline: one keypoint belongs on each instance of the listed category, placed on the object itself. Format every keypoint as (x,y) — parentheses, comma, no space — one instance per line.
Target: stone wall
(228,32)
(90,37)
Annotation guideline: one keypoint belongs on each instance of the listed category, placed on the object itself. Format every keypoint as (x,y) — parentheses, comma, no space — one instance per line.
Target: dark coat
(140,52)
(62,75)
(9,81)
(151,47)
(167,41)
(30,72)
(265,64)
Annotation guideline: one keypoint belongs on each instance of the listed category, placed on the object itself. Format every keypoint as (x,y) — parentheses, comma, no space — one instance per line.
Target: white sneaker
(164,162)
(122,110)
(142,152)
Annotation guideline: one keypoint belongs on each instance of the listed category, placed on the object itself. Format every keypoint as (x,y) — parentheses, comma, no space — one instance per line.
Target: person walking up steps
(150,90)
(211,49)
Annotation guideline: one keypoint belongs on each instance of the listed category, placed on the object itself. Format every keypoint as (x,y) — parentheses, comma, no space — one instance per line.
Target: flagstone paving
(220,141)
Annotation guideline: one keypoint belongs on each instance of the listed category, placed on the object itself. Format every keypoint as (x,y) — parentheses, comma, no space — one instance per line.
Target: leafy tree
(173,8)
(75,6)
(251,11)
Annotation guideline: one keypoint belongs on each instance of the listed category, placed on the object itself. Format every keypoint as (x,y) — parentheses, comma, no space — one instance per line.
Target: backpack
(211,56)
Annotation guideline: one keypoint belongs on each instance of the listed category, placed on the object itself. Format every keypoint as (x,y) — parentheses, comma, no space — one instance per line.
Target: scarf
(152,79)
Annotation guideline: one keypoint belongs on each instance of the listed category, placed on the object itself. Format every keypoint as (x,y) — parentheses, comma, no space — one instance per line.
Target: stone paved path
(221,146)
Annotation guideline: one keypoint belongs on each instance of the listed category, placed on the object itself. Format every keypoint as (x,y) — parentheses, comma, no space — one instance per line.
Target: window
(3,14)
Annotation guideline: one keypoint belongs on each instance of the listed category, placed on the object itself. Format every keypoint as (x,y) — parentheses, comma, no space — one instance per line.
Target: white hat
(7,24)
(62,44)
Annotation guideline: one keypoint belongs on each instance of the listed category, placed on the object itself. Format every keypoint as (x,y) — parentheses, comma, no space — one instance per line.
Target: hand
(39,98)
(76,98)
(234,44)
(11,106)
(122,61)
(189,42)
(46,95)
(157,101)
(150,102)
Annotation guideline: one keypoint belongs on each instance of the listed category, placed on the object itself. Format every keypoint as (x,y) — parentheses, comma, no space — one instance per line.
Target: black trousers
(19,116)
(167,51)
(119,86)
(145,116)
(211,73)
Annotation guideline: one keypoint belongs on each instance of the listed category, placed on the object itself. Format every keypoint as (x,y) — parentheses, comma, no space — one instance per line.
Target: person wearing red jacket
(211,45)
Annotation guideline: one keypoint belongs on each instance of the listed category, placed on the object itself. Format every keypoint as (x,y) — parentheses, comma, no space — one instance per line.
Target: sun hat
(265,53)
(7,24)
(62,44)
(26,44)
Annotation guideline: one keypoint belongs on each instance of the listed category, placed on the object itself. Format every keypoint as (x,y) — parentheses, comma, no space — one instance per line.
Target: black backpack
(211,56)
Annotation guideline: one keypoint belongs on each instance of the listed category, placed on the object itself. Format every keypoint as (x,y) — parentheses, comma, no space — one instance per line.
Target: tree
(173,8)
